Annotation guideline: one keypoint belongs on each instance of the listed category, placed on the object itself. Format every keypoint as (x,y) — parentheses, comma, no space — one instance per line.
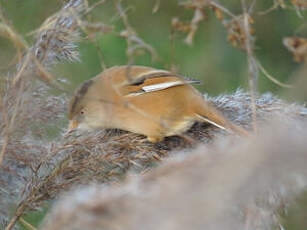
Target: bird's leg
(154,139)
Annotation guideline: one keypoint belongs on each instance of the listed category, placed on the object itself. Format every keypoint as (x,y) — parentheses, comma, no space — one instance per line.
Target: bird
(144,100)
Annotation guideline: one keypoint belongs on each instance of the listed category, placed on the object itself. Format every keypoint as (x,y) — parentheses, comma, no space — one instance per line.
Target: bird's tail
(208,113)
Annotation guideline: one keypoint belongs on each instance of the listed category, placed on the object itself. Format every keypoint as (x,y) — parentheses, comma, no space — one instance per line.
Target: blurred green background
(211,58)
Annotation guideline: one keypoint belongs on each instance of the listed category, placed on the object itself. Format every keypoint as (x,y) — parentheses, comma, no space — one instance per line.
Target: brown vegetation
(233,184)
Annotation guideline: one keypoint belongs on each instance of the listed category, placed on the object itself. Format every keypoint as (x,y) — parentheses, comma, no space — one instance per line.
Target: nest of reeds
(232,184)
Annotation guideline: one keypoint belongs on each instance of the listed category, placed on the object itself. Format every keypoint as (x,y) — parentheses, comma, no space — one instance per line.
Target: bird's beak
(72,125)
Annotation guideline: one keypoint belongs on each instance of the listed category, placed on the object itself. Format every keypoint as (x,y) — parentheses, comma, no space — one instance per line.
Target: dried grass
(107,155)
(232,184)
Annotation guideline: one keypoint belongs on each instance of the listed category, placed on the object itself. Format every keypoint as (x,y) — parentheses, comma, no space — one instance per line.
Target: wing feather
(152,81)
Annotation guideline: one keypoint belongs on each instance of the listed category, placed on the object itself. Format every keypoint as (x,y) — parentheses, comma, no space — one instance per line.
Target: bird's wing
(154,80)
(155,87)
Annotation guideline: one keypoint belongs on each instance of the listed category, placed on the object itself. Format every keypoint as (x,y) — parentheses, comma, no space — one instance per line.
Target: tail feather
(208,113)
(211,122)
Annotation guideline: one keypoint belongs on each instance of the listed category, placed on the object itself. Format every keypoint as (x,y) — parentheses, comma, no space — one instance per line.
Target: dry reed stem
(10,121)
(6,29)
(54,41)
(252,64)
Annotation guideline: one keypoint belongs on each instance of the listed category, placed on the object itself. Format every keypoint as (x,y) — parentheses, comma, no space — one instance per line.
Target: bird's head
(78,110)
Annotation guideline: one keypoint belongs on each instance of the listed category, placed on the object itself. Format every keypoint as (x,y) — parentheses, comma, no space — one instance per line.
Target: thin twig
(10,121)
(222,8)
(89,9)
(272,8)
(156,7)
(100,54)
(26,224)
(250,10)
(4,132)
(134,43)
(18,213)
(22,69)
(3,149)
(252,64)
(270,77)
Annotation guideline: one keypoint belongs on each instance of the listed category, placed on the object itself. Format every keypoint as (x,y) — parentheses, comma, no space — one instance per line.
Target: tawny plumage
(144,100)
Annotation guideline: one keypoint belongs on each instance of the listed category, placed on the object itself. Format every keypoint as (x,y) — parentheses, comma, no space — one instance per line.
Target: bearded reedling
(155,103)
